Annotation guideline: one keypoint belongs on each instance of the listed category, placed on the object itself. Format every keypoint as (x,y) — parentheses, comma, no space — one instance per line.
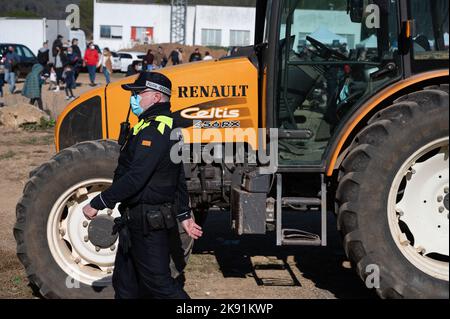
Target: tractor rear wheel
(65,255)
(393,198)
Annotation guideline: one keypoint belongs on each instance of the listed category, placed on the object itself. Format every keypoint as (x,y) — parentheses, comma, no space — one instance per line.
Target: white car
(127,58)
(116,62)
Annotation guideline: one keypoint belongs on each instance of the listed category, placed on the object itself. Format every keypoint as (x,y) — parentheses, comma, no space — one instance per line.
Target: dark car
(27,58)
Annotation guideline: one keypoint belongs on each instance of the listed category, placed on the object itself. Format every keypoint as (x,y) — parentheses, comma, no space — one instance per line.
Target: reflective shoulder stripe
(163,122)
(138,127)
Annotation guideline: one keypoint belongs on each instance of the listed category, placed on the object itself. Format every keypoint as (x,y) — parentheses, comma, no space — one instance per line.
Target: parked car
(27,58)
(116,62)
(127,58)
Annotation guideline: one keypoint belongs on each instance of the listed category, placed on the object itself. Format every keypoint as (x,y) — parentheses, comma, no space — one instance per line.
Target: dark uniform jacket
(146,174)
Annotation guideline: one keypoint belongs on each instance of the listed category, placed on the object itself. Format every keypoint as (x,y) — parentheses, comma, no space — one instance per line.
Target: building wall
(127,16)
(158,17)
(225,19)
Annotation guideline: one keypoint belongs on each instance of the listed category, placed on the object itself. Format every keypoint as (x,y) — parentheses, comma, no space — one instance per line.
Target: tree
(87,16)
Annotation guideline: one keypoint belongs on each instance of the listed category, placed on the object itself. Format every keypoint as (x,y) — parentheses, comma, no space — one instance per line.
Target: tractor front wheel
(64,254)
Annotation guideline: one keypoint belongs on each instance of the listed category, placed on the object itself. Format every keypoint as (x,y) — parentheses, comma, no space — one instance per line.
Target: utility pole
(178,21)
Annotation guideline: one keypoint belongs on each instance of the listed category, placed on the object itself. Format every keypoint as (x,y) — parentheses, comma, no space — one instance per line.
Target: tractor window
(328,65)
(431,39)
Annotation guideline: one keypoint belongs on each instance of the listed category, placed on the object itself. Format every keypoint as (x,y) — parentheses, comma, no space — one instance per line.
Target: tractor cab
(324,59)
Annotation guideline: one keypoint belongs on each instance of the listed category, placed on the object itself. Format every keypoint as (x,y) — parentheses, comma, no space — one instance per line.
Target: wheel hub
(100,232)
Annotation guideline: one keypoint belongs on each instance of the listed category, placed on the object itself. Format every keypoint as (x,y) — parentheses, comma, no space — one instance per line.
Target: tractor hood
(206,95)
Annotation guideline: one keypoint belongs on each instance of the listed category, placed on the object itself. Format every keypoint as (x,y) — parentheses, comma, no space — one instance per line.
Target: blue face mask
(135,102)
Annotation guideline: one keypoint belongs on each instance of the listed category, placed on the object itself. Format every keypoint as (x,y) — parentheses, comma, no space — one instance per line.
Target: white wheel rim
(418,198)
(66,236)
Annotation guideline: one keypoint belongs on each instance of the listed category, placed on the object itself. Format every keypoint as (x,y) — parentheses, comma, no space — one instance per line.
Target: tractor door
(330,56)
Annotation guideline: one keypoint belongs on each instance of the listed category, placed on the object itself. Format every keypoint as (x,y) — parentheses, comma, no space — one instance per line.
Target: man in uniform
(153,193)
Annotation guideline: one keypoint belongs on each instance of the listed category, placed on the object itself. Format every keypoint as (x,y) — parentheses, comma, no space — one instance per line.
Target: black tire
(375,157)
(47,183)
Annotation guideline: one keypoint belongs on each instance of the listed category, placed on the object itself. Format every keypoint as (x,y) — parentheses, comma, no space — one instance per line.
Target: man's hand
(192,229)
(90,212)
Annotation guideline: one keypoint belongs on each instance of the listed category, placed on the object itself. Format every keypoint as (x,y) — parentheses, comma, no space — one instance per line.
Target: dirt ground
(222,266)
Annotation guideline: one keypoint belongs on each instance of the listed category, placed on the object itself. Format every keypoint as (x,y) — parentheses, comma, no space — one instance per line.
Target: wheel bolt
(110,212)
(62,232)
(441,209)
(440,198)
(109,270)
(404,240)
(86,238)
(421,250)
(85,224)
(446,190)
(77,260)
(413,171)
(97,249)
(113,247)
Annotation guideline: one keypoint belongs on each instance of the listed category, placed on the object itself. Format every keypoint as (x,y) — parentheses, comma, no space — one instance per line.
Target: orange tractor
(352,99)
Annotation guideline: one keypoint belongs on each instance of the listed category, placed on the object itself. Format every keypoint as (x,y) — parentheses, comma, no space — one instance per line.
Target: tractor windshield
(329,61)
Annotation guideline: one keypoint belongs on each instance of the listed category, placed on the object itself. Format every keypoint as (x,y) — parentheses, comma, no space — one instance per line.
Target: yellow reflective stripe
(163,122)
(137,127)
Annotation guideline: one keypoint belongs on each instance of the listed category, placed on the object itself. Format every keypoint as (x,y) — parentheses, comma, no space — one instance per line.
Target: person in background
(196,56)
(69,78)
(2,79)
(134,68)
(57,43)
(208,56)
(181,55)
(107,65)
(76,50)
(60,62)
(52,76)
(72,58)
(160,58)
(175,56)
(43,55)
(91,59)
(148,61)
(33,84)
(11,59)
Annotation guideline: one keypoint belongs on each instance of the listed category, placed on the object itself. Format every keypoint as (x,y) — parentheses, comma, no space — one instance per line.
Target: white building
(121,25)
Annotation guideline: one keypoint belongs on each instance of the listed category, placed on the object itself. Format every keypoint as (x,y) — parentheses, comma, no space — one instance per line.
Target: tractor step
(296,237)
(302,201)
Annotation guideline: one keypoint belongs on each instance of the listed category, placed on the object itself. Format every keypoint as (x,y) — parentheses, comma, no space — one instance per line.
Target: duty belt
(138,214)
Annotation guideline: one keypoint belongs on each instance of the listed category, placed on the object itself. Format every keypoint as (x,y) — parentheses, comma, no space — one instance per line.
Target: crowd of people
(60,66)
(156,60)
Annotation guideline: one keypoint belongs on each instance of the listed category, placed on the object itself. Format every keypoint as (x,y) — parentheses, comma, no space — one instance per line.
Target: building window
(239,38)
(142,34)
(211,37)
(110,32)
